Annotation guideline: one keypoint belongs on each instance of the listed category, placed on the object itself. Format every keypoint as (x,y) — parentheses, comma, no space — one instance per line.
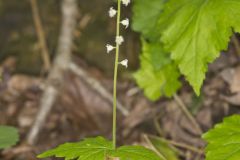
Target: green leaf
(135,153)
(195,31)
(88,149)
(158,75)
(224,140)
(162,146)
(145,17)
(99,149)
(8,136)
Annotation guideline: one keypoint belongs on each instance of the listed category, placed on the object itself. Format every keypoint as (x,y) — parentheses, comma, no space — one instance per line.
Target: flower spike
(118,40)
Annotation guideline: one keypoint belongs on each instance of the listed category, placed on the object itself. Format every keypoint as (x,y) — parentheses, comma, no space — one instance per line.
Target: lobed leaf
(224,140)
(145,17)
(8,136)
(99,149)
(158,75)
(88,149)
(195,31)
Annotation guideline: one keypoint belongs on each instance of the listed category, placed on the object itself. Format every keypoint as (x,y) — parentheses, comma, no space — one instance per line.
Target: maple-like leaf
(88,149)
(8,136)
(145,17)
(158,75)
(195,31)
(224,140)
(99,149)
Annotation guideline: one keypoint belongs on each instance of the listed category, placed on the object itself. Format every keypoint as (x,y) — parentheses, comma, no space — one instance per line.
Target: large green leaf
(99,149)
(88,149)
(224,140)
(8,136)
(195,31)
(145,17)
(158,75)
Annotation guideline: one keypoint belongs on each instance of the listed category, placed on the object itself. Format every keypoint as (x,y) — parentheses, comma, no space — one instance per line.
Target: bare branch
(62,60)
(96,86)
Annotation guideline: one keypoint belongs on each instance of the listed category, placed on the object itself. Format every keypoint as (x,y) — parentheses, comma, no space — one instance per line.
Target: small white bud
(112,12)
(109,48)
(126,2)
(124,63)
(119,40)
(125,22)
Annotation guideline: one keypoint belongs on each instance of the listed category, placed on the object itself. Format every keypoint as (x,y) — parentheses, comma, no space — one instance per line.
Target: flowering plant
(99,148)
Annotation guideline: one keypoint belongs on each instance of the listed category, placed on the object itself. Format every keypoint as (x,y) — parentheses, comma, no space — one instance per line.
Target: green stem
(114,128)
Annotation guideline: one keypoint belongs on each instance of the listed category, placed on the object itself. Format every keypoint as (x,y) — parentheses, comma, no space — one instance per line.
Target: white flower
(119,40)
(112,12)
(125,22)
(109,48)
(126,2)
(124,63)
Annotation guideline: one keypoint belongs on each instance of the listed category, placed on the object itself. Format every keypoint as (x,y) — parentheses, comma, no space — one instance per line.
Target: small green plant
(185,35)
(223,140)
(182,37)
(99,148)
(158,75)
(178,37)
(8,136)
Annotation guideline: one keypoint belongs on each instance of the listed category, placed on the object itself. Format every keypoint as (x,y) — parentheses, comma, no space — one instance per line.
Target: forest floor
(80,111)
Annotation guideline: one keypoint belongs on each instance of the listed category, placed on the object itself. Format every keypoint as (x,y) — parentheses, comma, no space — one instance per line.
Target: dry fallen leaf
(232,77)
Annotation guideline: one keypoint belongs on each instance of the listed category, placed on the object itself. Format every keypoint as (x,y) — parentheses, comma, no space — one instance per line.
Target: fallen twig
(61,63)
(152,146)
(186,146)
(96,86)
(178,144)
(188,114)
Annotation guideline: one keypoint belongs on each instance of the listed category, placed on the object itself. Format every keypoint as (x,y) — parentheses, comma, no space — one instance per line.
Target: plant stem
(114,128)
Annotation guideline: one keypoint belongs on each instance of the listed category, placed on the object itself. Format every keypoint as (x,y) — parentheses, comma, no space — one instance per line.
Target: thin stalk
(41,35)
(114,128)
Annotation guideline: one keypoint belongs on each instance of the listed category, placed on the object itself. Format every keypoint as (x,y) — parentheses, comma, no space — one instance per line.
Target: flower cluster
(119,39)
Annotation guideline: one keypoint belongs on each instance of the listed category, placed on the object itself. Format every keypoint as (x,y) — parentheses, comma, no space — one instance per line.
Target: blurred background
(81,104)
